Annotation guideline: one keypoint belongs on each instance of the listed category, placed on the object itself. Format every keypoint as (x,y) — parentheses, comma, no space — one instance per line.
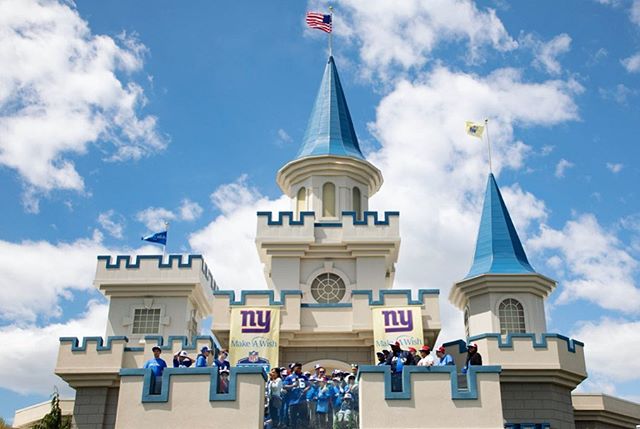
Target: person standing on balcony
(223,381)
(201,360)
(182,360)
(222,362)
(157,366)
(445,358)
(473,357)
(426,358)
(274,394)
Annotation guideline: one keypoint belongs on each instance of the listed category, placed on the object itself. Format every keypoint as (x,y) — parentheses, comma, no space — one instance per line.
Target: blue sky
(123,114)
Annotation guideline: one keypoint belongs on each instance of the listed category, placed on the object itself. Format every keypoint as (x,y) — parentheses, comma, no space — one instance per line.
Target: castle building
(329,266)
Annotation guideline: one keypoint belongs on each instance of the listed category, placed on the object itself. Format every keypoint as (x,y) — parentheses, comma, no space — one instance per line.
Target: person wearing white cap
(345,415)
(223,381)
(182,360)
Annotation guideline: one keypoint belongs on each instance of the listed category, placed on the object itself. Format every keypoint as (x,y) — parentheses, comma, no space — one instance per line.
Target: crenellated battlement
(478,406)
(189,398)
(286,218)
(93,361)
(526,357)
(140,267)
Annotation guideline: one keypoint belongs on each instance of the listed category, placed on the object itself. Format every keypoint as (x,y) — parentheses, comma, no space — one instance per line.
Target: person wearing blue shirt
(312,398)
(297,385)
(157,366)
(445,358)
(322,405)
(201,360)
(222,362)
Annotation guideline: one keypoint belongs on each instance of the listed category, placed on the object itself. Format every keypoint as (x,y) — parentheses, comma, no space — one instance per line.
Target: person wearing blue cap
(201,360)
(157,366)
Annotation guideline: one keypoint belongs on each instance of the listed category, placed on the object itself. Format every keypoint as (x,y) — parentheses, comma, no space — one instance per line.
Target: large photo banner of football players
(254,336)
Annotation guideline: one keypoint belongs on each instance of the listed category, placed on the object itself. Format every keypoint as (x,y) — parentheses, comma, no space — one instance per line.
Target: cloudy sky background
(116,116)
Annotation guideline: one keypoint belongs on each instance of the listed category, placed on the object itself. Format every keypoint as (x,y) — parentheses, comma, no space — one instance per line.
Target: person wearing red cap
(444,358)
(426,358)
(412,358)
(473,357)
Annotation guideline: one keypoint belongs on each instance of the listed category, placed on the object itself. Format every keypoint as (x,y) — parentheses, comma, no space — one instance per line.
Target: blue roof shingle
(498,247)
(330,130)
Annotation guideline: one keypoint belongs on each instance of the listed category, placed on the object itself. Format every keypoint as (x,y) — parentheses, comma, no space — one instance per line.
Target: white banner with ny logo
(397,324)
(254,336)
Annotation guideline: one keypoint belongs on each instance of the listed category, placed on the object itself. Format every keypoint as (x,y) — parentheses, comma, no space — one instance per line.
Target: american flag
(319,21)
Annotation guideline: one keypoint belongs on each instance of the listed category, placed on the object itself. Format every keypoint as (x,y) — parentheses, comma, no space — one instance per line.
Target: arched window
(357,202)
(511,315)
(466,321)
(329,200)
(301,201)
(328,288)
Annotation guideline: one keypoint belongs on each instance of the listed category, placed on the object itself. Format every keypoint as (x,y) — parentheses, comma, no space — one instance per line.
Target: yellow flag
(474,129)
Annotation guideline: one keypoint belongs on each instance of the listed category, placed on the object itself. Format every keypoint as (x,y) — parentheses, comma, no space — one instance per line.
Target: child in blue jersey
(201,360)
(157,366)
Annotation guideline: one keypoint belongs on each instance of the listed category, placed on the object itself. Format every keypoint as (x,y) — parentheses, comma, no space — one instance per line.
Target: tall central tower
(330,245)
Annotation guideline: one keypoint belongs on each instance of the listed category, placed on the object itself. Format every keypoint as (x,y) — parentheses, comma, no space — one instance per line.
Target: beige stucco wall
(431,405)
(189,405)
(597,410)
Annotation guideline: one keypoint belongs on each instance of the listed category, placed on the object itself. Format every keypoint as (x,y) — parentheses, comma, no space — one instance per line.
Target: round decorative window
(328,288)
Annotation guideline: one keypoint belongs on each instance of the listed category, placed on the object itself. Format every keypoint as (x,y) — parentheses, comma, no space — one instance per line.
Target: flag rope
(331,33)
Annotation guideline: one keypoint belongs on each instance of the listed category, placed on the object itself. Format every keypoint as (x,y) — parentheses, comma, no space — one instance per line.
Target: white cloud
(189,210)
(155,218)
(38,347)
(403,34)
(524,208)
(620,93)
(561,167)
(546,53)
(596,265)
(228,242)
(634,13)
(615,167)
(60,91)
(632,63)
(603,339)
(434,173)
(112,222)
(283,138)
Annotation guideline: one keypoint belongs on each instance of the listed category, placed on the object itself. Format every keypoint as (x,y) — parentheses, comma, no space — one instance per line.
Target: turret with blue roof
(501,279)
(330,153)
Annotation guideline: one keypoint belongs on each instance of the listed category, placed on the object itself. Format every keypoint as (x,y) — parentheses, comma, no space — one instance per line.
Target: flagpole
(486,127)
(164,247)
(331,33)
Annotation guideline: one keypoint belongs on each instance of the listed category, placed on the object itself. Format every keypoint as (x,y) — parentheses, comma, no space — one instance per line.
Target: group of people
(304,400)
(182,360)
(317,400)
(397,359)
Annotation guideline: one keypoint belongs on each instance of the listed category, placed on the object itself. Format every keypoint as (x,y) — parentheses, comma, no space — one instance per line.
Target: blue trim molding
(127,259)
(368,292)
(212,372)
(76,346)
(287,218)
(246,293)
(406,292)
(470,393)
(508,342)
(98,340)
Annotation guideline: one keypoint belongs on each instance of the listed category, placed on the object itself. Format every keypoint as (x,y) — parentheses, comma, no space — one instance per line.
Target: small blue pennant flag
(158,237)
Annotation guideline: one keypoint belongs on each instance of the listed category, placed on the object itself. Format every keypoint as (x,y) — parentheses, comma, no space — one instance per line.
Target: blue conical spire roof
(498,248)
(330,130)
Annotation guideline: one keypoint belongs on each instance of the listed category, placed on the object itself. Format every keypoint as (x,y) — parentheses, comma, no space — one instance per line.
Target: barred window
(328,288)
(511,315)
(146,321)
